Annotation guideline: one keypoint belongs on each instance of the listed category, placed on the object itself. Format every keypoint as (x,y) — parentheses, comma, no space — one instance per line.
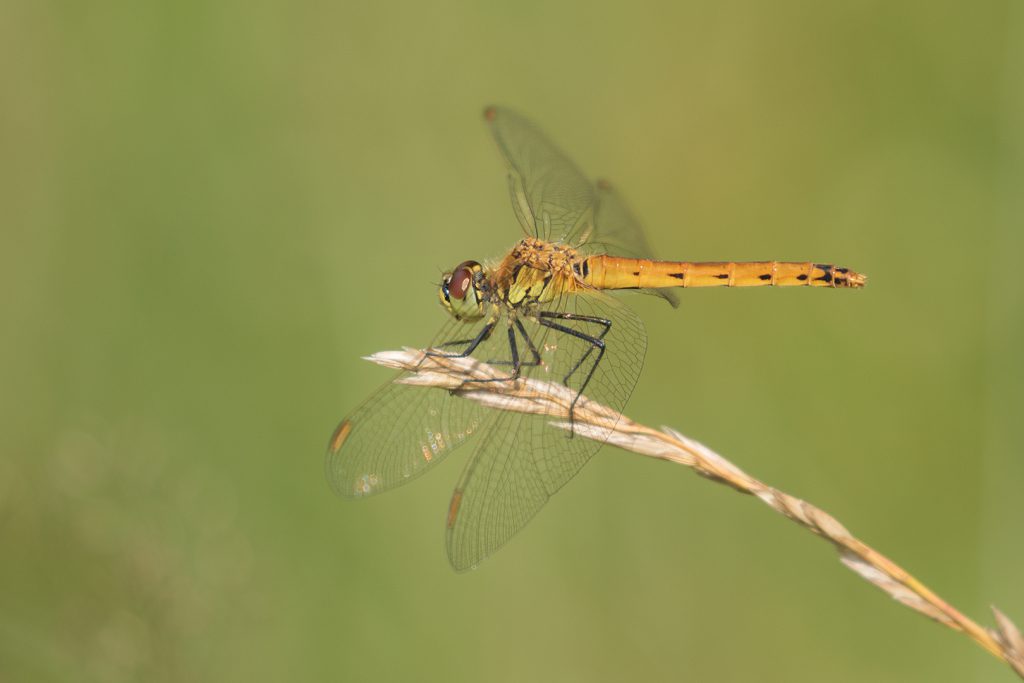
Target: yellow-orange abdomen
(611,272)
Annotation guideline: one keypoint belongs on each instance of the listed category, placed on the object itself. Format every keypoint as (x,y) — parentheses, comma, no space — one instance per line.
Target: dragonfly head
(462,291)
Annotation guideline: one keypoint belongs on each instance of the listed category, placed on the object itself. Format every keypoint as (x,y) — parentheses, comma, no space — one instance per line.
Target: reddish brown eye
(460,283)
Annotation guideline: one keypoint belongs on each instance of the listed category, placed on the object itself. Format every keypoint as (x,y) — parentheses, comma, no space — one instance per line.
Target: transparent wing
(520,460)
(617,232)
(399,432)
(552,199)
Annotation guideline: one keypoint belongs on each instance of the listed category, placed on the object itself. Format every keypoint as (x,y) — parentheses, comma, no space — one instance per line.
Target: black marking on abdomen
(801,277)
(723,276)
(636,272)
(826,276)
(765,276)
(586,267)
(678,276)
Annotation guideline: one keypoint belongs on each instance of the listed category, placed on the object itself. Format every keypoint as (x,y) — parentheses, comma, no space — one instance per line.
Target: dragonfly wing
(617,232)
(521,460)
(552,199)
(398,433)
(396,436)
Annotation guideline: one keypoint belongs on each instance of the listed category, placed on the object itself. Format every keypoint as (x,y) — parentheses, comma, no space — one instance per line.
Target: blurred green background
(211,210)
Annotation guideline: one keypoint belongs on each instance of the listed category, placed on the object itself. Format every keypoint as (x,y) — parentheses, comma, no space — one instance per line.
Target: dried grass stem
(595,421)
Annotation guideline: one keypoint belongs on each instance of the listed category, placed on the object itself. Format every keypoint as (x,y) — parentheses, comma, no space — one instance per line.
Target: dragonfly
(542,311)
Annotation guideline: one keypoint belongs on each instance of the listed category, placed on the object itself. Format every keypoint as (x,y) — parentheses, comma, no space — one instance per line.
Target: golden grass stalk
(594,421)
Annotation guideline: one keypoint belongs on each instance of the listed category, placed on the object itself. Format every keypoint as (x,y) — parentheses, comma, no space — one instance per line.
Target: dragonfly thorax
(463,291)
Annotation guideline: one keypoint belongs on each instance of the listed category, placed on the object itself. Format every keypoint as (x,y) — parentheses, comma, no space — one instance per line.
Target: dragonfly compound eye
(460,291)
(460,282)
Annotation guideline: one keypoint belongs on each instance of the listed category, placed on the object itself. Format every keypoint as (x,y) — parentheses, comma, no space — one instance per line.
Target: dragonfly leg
(472,343)
(456,342)
(529,342)
(516,362)
(605,324)
(597,343)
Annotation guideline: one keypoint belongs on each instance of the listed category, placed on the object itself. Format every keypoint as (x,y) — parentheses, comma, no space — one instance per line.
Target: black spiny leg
(603,322)
(514,350)
(546,319)
(516,362)
(529,342)
(485,332)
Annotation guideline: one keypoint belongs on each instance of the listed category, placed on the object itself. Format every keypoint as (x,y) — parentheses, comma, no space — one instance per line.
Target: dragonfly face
(462,291)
